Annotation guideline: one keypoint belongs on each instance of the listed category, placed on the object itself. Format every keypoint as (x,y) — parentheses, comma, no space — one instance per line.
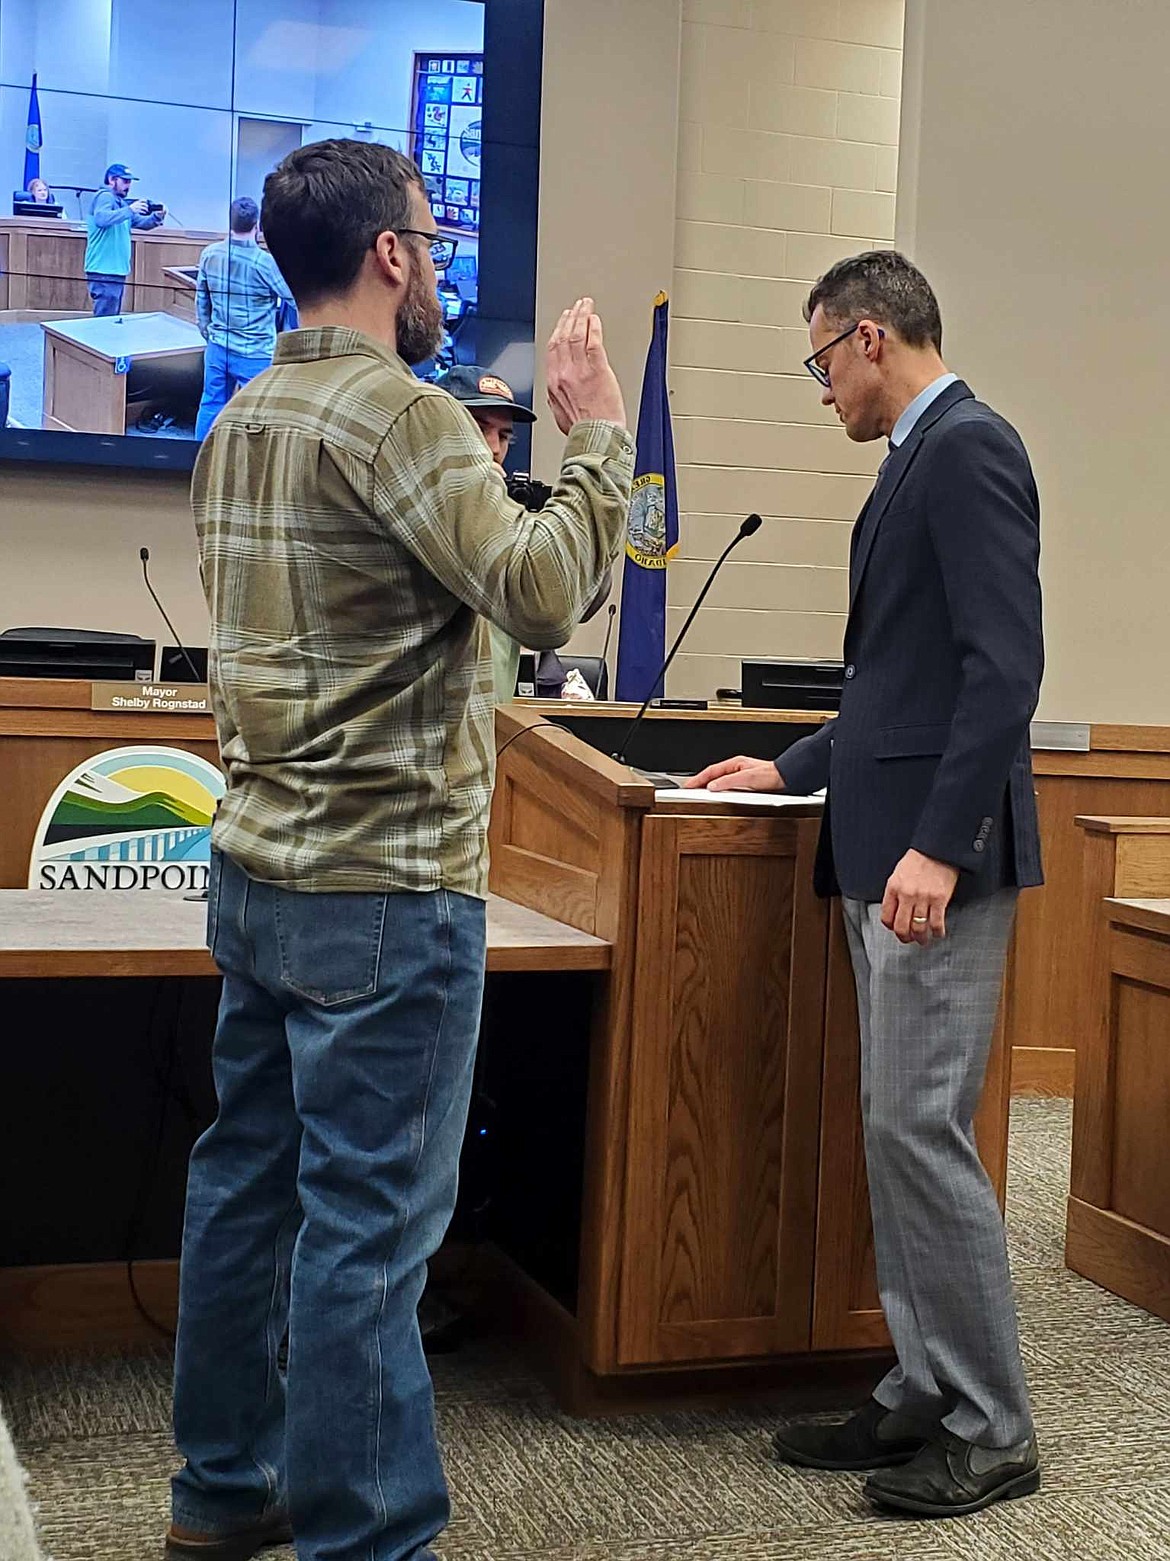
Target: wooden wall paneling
(1057,928)
(719,1217)
(150,285)
(56,269)
(1102,766)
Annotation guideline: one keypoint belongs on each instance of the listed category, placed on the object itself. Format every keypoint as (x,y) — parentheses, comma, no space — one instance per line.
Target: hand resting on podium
(740,774)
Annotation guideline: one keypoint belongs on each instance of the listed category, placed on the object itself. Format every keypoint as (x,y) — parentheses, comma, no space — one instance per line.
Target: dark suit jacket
(944,654)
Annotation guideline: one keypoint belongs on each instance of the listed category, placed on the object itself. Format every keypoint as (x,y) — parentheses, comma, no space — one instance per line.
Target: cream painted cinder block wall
(787,160)
(1035,138)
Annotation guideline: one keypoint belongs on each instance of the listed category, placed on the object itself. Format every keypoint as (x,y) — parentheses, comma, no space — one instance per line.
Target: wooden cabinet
(1119,1211)
(720,1198)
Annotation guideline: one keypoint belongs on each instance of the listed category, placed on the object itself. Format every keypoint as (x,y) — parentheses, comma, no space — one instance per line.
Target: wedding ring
(918,920)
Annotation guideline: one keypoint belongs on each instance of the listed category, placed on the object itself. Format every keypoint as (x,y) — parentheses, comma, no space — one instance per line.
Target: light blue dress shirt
(905,424)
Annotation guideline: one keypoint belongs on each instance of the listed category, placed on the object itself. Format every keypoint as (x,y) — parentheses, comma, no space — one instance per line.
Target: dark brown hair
(324,206)
(880,285)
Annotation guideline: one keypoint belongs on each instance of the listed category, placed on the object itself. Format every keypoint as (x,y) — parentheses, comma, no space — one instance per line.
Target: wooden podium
(725,1218)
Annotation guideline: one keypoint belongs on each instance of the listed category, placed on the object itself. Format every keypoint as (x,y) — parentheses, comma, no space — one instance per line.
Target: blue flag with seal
(652,532)
(32,137)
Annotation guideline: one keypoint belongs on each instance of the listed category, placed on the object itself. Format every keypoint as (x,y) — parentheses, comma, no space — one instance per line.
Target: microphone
(605,647)
(747,529)
(144,555)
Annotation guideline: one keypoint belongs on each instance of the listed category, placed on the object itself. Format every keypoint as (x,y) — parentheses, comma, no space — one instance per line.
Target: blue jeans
(106,293)
(224,372)
(343,1063)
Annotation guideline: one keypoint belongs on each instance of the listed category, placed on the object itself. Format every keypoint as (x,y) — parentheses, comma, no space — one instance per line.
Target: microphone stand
(749,527)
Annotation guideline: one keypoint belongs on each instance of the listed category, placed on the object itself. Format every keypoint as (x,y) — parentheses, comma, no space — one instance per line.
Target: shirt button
(979,845)
(850,671)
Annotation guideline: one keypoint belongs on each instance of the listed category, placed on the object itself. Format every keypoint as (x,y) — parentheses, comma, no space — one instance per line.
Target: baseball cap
(475,387)
(119,171)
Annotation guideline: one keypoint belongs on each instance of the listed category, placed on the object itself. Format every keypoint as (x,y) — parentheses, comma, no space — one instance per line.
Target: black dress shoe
(873,1438)
(951,1478)
(241,1544)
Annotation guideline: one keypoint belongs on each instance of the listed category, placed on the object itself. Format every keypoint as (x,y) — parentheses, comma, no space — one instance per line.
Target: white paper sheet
(759,799)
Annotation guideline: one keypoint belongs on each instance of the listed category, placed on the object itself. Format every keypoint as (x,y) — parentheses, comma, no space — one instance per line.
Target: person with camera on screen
(496,411)
(108,250)
(353,531)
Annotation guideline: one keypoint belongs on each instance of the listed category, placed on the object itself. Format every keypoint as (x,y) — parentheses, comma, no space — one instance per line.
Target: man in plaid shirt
(239,292)
(354,537)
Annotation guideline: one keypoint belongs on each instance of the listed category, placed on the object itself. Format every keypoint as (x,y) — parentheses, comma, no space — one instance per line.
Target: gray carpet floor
(528,1484)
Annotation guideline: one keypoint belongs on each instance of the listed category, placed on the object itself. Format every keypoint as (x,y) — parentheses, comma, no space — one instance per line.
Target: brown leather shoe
(240,1544)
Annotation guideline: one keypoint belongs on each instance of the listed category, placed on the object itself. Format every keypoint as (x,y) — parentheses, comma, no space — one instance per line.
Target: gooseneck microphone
(748,529)
(608,632)
(144,555)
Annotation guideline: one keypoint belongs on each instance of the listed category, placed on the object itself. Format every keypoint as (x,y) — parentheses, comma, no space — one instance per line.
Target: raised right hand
(740,774)
(141,207)
(581,383)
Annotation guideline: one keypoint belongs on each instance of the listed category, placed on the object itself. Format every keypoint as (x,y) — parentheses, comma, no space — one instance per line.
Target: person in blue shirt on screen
(238,295)
(112,214)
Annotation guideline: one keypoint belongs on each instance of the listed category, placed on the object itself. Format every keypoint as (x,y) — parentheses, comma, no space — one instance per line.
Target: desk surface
(1146,915)
(98,933)
(151,335)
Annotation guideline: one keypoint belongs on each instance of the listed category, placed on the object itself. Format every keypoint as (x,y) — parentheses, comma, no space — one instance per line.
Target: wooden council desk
(107,934)
(680,1193)
(47,726)
(42,264)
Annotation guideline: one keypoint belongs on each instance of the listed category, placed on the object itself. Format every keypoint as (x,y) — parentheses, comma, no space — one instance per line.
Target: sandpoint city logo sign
(130,818)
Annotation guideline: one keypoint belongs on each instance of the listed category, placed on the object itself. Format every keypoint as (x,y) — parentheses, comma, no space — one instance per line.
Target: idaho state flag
(652,535)
(32,137)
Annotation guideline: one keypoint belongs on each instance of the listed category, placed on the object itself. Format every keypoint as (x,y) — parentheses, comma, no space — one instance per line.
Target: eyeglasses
(442,249)
(821,375)
(811,363)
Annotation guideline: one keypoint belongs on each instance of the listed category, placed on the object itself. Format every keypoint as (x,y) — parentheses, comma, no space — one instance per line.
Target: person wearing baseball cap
(112,214)
(491,402)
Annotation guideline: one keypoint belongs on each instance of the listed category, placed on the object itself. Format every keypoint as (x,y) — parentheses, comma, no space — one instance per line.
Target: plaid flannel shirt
(354,534)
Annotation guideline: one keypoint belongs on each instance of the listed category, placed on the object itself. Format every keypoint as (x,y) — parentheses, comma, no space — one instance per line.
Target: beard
(420,322)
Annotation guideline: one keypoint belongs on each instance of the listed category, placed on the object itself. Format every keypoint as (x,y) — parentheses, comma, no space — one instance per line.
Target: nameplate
(150,698)
(1071,736)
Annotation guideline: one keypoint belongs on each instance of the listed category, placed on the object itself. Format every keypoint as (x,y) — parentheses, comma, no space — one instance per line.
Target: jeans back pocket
(330,945)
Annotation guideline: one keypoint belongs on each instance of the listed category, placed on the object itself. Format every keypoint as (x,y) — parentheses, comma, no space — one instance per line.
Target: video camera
(527,491)
(154,207)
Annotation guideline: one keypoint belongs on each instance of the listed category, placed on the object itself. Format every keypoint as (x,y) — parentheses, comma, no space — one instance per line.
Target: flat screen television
(199,102)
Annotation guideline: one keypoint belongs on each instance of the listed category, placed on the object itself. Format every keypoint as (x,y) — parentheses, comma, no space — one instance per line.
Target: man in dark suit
(930,832)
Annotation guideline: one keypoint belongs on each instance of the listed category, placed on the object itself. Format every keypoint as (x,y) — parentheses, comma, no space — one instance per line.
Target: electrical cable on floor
(166,1092)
